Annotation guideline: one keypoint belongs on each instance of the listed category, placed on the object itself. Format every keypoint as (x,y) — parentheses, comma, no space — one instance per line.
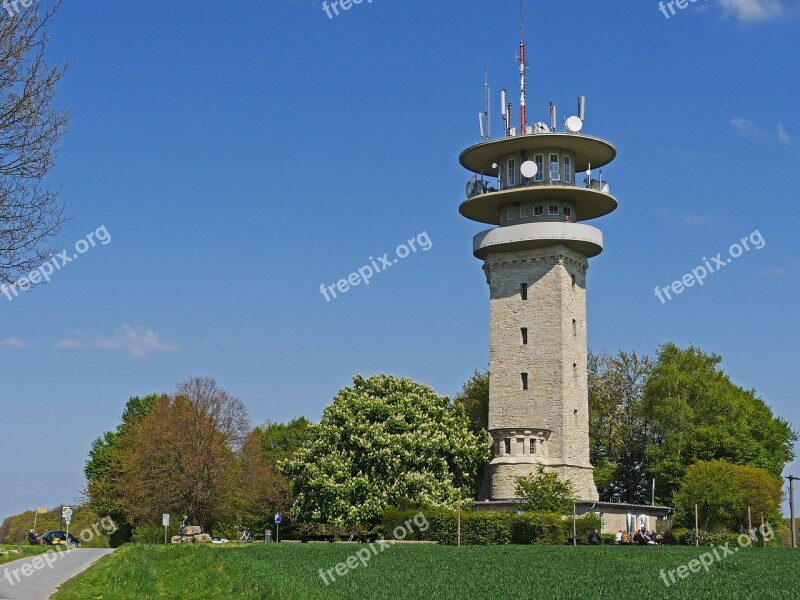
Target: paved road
(40,582)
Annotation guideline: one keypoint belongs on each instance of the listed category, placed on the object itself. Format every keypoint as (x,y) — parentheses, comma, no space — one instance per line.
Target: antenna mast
(487,119)
(523,120)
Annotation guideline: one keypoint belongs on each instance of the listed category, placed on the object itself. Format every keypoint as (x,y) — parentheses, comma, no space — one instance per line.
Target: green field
(13,555)
(425,572)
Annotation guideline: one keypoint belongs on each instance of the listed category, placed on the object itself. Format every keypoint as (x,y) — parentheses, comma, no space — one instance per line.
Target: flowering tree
(382,440)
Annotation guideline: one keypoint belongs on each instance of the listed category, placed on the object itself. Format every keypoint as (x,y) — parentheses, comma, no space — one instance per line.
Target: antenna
(505,111)
(523,119)
(553,117)
(486,122)
(582,108)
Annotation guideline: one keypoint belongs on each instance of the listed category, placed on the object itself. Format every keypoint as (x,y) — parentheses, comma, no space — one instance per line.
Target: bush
(583,526)
(537,528)
(477,528)
(150,533)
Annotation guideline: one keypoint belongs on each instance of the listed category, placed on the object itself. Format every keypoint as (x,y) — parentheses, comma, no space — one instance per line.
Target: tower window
(507,445)
(567,169)
(575,369)
(512,173)
(524,212)
(539,160)
(568,212)
(555,170)
(524,332)
(524,291)
(533,446)
(538,211)
(573,280)
(511,215)
(524,381)
(553,210)
(574,327)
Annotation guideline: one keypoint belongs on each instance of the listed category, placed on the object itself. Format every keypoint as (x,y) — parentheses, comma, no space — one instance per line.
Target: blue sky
(242,154)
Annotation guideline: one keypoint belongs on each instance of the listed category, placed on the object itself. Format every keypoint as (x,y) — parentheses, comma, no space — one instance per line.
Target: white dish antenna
(541,127)
(528,169)
(574,124)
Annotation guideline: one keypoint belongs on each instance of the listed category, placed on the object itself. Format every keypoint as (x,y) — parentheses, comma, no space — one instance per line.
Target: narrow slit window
(524,381)
(524,332)
(507,446)
(523,289)
(568,169)
(512,173)
(574,327)
(533,446)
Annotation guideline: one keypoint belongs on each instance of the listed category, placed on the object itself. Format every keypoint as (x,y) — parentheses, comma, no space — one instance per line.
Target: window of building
(555,170)
(568,212)
(568,169)
(539,160)
(524,381)
(538,211)
(533,446)
(574,327)
(524,212)
(573,280)
(510,215)
(512,173)
(553,210)
(524,332)
(523,289)
(507,445)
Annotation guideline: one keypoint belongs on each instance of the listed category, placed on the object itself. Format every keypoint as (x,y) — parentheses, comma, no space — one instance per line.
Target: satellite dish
(574,125)
(528,169)
(541,128)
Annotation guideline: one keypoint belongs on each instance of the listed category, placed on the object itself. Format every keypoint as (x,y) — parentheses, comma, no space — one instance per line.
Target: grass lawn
(433,572)
(26,551)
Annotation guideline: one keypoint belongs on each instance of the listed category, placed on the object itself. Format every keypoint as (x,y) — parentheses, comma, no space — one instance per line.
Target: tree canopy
(545,491)
(380,441)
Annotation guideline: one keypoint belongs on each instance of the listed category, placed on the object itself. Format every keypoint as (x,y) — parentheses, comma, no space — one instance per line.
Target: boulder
(176,539)
(202,538)
(192,530)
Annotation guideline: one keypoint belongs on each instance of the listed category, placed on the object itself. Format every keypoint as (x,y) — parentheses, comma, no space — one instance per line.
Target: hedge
(477,528)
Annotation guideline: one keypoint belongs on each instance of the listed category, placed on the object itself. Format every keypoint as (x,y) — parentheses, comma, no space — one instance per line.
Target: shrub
(537,528)
(148,533)
(583,526)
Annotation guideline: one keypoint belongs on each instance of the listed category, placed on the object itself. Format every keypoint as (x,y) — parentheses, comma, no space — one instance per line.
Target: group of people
(641,537)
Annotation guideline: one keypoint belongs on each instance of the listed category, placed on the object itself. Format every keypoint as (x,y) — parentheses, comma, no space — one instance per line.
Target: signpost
(66,512)
(39,511)
(792,479)
(165,523)
(277,527)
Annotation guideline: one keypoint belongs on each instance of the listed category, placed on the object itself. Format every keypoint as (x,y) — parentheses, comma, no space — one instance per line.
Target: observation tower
(535,187)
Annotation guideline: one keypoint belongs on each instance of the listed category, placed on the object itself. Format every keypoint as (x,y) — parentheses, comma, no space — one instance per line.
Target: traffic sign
(165,519)
(66,511)
(68,520)
(278,518)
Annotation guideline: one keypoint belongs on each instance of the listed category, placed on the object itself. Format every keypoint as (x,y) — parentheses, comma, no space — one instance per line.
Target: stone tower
(535,263)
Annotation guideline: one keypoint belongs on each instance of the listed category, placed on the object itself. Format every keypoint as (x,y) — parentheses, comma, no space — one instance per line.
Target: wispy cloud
(753,11)
(696,220)
(750,130)
(15,342)
(772,273)
(139,341)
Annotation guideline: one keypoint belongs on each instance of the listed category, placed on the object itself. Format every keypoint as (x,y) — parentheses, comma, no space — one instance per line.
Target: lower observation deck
(589,202)
(584,239)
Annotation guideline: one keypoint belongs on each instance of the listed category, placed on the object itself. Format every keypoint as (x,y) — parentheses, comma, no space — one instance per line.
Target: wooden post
(792,479)
(763,537)
(750,522)
(574,525)
(696,526)
(459,519)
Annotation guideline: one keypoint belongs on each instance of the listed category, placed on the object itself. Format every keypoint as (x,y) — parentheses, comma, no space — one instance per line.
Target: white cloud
(773,272)
(15,342)
(751,131)
(783,137)
(138,341)
(696,220)
(753,11)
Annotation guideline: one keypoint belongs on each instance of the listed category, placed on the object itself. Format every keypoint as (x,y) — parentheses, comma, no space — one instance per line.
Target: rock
(202,538)
(192,530)
(176,539)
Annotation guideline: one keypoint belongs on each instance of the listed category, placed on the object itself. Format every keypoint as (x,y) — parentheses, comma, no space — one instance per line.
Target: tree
(31,128)
(474,399)
(697,413)
(280,440)
(545,492)
(379,441)
(723,492)
(619,426)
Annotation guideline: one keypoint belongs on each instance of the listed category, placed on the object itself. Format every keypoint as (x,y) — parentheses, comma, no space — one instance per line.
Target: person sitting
(625,538)
(184,525)
(640,537)
(594,538)
(618,537)
(34,539)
